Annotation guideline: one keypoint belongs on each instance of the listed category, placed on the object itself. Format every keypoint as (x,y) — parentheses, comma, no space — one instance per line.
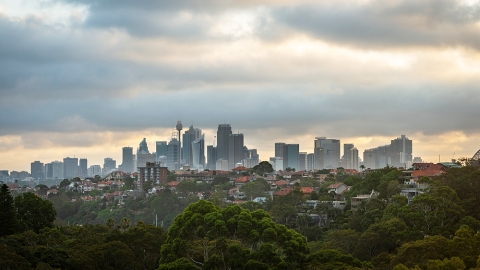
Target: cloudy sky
(86,77)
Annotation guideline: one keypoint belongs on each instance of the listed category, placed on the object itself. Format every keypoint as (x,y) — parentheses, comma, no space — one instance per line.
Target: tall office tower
(382,156)
(70,167)
(94,170)
(246,153)
(143,147)
(127,159)
(188,138)
(221,165)
(310,161)
(211,157)
(223,141)
(173,154)
(198,153)
(290,156)
(302,161)
(331,152)
(37,170)
(198,133)
(57,169)
(346,154)
(82,168)
(143,159)
(401,151)
(353,158)
(279,148)
(318,152)
(235,150)
(369,158)
(109,164)
(160,149)
(48,168)
(251,158)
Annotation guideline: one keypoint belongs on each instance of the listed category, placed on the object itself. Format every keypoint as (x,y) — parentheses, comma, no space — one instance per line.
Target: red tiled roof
(306,190)
(242,179)
(283,191)
(281,183)
(240,168)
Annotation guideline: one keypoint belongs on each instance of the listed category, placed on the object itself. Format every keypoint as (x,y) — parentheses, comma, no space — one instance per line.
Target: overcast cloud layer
(87,77)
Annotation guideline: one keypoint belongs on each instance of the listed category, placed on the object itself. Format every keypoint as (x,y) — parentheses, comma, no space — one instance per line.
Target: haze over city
(86,78)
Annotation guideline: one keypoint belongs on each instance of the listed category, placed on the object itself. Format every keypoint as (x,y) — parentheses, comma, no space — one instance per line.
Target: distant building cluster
(187,151)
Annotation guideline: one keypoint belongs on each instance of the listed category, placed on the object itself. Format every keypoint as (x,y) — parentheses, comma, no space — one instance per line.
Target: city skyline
(306,148)
(84,78)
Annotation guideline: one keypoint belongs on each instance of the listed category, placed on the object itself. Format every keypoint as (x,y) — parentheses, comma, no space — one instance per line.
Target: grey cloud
(388,23)
(389,112)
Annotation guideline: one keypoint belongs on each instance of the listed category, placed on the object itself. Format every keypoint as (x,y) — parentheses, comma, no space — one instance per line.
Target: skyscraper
(198,153)
(346,154)
(82,168)
(173,154)
(188,138)
(57,170)
(109,164)
(290,156)
(279,148)
(401,151)
(302,161)
(353,158)
(223,133)
(143,147)
(331,152)
(70,167)
(235,150)
(369,158)
(211,157)
(37,170)
(310,161)
(127,159)
(160,149)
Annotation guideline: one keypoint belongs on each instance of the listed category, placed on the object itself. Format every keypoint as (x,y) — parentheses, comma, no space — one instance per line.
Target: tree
(64,183)
(231,238)
(8,219)
(263,168)
(33,212)
(147,185)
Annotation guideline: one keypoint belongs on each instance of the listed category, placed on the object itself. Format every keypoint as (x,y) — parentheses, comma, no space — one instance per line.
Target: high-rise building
(279,148)
(223,141)
(369,158)
(153,172)
(57,169)
(82,168)
(143,159)
(127,159)
(353,158)
(211,157)
(346,154)
(109,164)
(94,170)
(318,153)
(331,152)
(161,149)
(173,154)
(198,153)
(290,156)
(382,157)
(143,147)
(401,151)
(48,170)
(310,161)
(235,150)
(252,158)
(188,138)
(70,167)
(302,161)
(37,170)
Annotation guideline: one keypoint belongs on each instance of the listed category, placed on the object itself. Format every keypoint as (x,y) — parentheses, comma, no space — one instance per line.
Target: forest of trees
(439,229)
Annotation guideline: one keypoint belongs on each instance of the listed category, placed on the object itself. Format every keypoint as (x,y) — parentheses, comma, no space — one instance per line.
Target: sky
(85,78)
